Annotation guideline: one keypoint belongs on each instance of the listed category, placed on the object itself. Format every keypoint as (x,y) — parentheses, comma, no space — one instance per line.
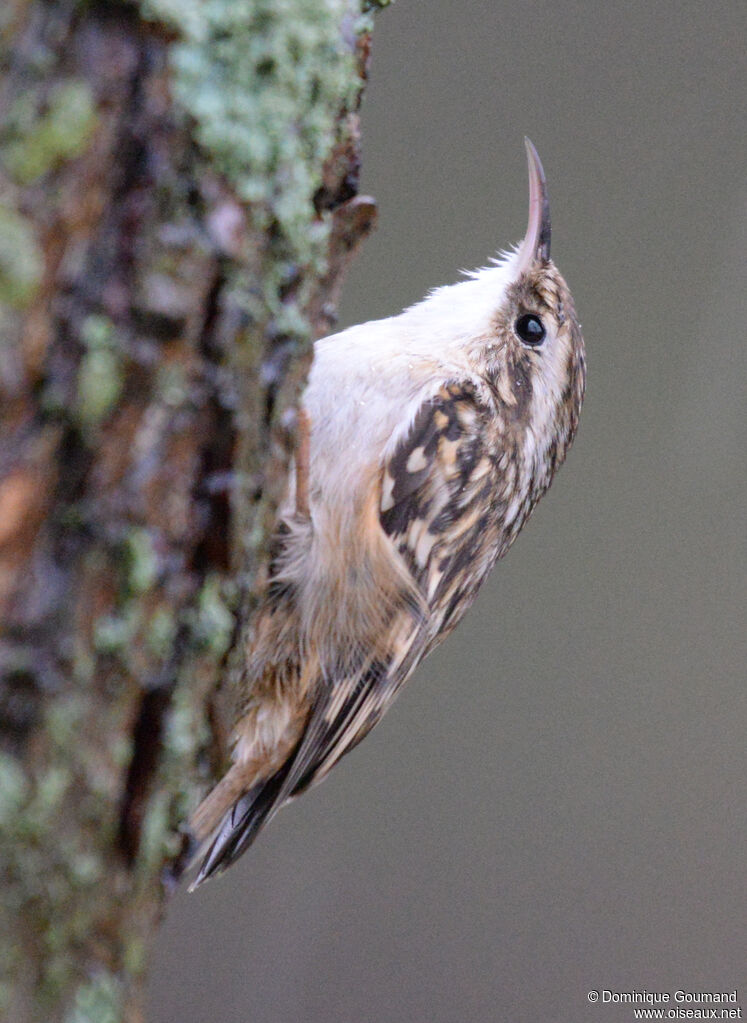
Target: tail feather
(240,826)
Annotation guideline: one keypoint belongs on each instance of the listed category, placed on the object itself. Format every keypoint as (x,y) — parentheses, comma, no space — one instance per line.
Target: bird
(424,442)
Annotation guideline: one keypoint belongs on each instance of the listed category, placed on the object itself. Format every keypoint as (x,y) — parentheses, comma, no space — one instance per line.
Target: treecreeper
(425,441)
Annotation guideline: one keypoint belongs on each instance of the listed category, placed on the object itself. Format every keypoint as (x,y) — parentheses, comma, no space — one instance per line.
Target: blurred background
(557,801)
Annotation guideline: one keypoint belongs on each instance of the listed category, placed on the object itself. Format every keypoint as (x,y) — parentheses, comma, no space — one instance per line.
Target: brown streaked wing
(434,505)
(437,500)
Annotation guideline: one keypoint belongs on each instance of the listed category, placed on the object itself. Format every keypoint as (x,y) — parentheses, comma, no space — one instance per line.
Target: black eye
(530,329)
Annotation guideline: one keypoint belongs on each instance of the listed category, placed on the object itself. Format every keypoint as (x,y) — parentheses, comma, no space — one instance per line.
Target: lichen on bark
(177,206)
(264,82)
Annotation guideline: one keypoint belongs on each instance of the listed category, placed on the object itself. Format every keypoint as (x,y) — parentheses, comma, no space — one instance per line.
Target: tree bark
(177,206)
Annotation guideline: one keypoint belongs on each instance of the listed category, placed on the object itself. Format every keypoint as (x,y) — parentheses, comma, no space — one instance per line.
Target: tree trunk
(177,206)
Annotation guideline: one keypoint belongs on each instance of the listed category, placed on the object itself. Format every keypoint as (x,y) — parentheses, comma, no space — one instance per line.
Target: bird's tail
(239,826)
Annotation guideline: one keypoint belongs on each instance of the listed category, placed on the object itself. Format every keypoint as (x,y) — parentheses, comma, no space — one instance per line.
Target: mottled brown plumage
(432,436)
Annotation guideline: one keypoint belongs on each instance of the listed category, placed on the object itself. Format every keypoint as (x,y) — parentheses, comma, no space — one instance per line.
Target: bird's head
(515,325)
(533,351)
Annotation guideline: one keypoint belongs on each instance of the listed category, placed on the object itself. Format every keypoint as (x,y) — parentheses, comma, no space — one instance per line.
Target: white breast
(367,383)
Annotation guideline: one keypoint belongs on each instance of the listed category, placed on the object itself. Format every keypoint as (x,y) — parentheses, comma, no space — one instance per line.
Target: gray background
(557,801)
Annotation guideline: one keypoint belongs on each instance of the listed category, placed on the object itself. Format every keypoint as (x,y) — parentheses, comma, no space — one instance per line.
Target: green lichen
(35,142)
(172,385)
(97,332)
(100,380)
(142,561)
(113,633)
(13,789)
(135,957)
(63,720)
(173,796)
(97,1001)
(264,82)
(158,840)
(185,728)
(161,632)
(21,260)
(86,868)
(53,871)
(214,621)
(100,373)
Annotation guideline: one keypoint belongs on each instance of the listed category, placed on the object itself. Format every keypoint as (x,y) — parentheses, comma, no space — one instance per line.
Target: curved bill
(536,244)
